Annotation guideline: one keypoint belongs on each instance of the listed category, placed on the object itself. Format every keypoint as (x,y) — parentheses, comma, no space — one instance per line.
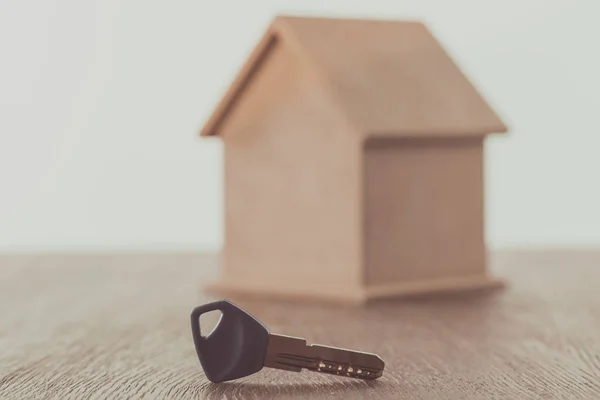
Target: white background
(101,102)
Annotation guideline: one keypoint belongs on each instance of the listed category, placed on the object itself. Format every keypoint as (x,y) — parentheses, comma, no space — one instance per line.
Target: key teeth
(348,370)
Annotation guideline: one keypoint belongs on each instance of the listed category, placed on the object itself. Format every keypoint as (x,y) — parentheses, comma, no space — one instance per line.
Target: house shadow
(470,296)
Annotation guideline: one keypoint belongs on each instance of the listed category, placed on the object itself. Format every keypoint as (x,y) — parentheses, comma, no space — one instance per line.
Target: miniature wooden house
(353,156)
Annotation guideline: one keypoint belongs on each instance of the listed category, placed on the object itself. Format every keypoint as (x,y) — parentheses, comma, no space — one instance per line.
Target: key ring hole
(209,321)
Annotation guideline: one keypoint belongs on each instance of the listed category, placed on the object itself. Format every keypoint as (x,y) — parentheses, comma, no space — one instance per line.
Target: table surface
(117,326)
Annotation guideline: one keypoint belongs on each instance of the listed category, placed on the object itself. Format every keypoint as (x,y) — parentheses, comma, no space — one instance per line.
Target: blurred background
(101,103)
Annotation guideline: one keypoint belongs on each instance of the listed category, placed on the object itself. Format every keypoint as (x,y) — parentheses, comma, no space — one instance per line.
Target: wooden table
(117,327)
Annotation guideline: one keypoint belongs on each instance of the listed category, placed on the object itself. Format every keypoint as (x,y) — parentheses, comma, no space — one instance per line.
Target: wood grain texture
(116,327)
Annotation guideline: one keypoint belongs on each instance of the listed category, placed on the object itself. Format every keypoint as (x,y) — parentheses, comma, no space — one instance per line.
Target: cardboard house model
(354,164)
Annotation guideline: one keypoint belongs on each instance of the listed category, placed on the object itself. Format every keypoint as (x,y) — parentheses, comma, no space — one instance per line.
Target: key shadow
(280,390)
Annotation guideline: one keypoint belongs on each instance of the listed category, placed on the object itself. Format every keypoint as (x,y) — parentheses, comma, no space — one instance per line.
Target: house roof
(389,77)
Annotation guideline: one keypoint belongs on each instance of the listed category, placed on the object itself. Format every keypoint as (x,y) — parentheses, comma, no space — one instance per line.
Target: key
(240,345)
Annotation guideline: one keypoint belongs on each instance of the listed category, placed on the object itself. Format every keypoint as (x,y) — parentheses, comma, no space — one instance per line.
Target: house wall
(424,215)
(292,197)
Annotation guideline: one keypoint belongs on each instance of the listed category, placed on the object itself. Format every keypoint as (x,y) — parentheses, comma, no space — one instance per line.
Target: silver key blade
(293,354)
